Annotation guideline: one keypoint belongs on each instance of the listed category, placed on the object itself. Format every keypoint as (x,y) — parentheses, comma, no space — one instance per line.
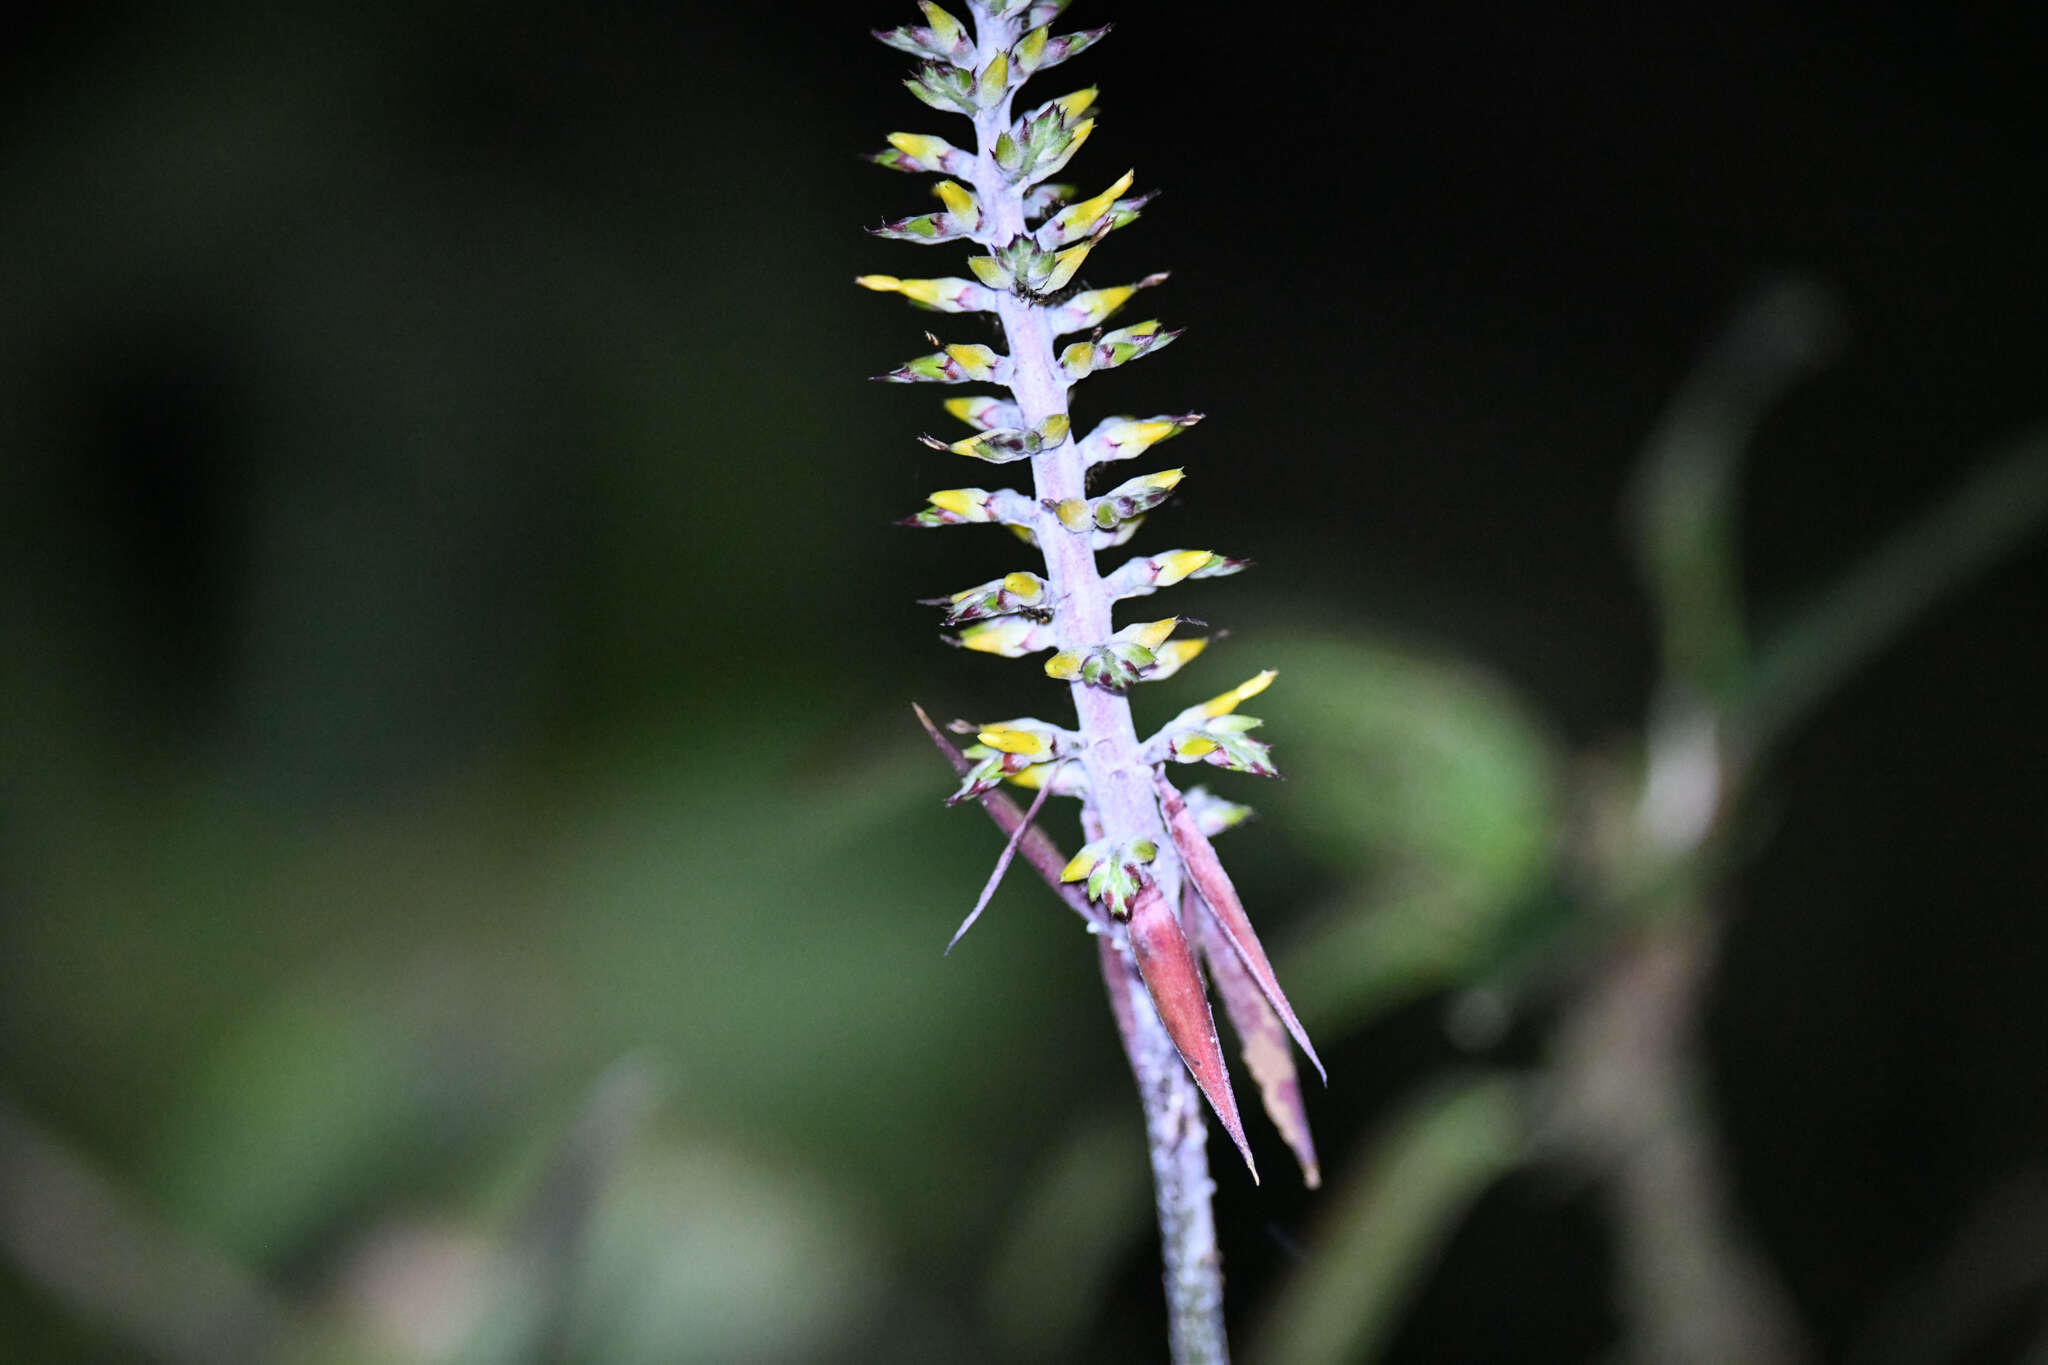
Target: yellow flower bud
(958,201)
(1010,740)
(1225,704)
(1153,633)
(923,146)
(1178,565)
(1078,218)
(1065,264)
(961,502)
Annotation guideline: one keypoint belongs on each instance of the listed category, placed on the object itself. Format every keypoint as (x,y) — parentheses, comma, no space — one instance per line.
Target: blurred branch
(528,1318)
(68,1228)
(1630,1104)
(1996,1263)
(1684,502)
(1991,514)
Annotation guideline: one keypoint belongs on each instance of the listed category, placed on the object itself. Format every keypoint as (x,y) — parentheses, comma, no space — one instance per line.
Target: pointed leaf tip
(1167,966)
(1206,872)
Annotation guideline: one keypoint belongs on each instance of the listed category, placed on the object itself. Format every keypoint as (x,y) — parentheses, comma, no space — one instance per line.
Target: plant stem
(1176,1132)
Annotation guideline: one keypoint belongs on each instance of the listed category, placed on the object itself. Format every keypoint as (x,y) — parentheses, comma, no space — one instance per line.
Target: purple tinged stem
(995,878)
(1037,846)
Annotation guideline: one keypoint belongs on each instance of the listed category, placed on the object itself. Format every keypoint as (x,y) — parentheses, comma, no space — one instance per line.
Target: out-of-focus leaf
(1999,507)
(1078,1214)
(1377,1240)
(696,1253)
(1430,785)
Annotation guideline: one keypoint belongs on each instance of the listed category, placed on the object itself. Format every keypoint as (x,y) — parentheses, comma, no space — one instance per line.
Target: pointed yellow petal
(1079,866)
(1194,746)
(961,502)
(1063,666)
(923,146)
(1175,653)
(1014,741)
(1080,217)
(963,408)
(1178,565)
(1153,633)
(1100,303)
(881,284)
(1022,586)
(995,637)
(978,362)
(1251,687)
(1073,513)
(1074,103)
(944,26)
(1065,264)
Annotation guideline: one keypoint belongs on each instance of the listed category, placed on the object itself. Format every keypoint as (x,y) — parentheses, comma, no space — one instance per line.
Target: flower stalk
(1152,888)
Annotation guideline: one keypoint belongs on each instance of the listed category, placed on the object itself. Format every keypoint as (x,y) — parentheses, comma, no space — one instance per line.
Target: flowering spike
(1034,235)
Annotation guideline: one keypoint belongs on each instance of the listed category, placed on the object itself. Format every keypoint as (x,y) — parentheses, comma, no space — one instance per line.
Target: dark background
(454,636)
